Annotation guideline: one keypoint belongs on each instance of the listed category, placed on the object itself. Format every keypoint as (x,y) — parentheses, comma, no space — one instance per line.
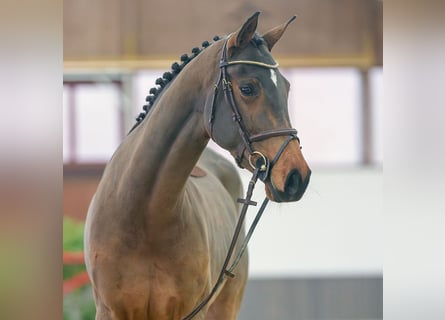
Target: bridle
(247,139)
(261,167)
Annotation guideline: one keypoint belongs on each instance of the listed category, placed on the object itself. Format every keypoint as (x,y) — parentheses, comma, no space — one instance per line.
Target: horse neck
(167,145)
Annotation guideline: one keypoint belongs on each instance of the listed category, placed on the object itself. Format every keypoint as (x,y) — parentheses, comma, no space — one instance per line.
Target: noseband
(247,139)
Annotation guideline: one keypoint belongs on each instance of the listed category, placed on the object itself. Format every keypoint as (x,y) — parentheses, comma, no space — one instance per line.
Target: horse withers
(161,221)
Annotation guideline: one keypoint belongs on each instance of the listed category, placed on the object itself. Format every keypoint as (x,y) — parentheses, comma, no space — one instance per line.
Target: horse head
(247,112)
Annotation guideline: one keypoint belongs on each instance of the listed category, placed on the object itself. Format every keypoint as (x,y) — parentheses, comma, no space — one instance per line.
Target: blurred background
(320,258)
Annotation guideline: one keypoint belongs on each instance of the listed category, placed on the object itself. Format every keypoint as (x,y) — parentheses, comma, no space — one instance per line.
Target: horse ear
(242,37)
(272,36)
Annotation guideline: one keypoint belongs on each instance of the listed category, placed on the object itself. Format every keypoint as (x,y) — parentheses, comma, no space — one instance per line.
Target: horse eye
(247,90)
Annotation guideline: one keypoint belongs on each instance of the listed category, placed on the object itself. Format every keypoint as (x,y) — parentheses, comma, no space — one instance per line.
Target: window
(325,108)
(376,97)
(93,121)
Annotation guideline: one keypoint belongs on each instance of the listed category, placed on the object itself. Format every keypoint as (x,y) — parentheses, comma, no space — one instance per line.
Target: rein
(261,168)
(225,270)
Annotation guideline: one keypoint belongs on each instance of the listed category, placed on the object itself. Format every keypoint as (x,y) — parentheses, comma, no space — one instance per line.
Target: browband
(255,63)
(224,62)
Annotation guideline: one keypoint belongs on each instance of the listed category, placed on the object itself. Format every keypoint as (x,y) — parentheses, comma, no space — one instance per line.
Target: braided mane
(169,76)
(176,68)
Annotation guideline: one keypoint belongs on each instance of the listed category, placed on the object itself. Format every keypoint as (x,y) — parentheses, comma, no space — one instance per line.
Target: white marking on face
(273,77)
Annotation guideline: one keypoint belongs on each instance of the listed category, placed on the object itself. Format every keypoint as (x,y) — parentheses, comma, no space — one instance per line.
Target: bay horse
(160,223)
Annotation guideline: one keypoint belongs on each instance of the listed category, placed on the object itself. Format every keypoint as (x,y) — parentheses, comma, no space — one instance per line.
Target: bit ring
(263,166)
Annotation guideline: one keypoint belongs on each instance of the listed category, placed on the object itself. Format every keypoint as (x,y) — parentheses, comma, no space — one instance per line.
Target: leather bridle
(261,168)
(247,139)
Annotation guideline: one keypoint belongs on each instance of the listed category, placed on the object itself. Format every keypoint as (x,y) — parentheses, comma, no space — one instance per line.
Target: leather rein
(261,167)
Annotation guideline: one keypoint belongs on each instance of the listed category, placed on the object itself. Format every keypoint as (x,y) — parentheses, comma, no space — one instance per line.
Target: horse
(162,218)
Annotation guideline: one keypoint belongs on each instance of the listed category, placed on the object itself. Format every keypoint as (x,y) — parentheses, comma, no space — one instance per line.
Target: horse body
(156,237)
(162,272)
(163,259)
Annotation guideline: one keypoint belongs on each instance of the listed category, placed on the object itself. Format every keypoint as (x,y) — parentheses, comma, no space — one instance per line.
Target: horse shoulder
(224,171)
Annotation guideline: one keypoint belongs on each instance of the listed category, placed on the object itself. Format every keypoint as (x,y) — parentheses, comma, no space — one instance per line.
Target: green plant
(79,304)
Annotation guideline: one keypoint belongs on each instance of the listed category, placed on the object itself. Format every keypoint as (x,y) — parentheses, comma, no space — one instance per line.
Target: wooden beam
(138,63)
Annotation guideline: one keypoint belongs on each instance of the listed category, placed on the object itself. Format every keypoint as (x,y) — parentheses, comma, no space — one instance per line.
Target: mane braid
(176,68)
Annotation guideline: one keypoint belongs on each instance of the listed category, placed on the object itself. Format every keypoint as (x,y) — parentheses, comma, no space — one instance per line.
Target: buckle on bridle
(226,83)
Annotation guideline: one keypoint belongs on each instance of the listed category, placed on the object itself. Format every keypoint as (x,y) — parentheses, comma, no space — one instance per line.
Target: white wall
(334,230)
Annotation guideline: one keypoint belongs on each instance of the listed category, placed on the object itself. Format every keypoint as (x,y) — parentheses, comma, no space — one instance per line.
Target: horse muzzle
(294,187)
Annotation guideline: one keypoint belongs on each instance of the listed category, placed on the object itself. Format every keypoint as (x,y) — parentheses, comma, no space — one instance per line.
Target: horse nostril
(293,182)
